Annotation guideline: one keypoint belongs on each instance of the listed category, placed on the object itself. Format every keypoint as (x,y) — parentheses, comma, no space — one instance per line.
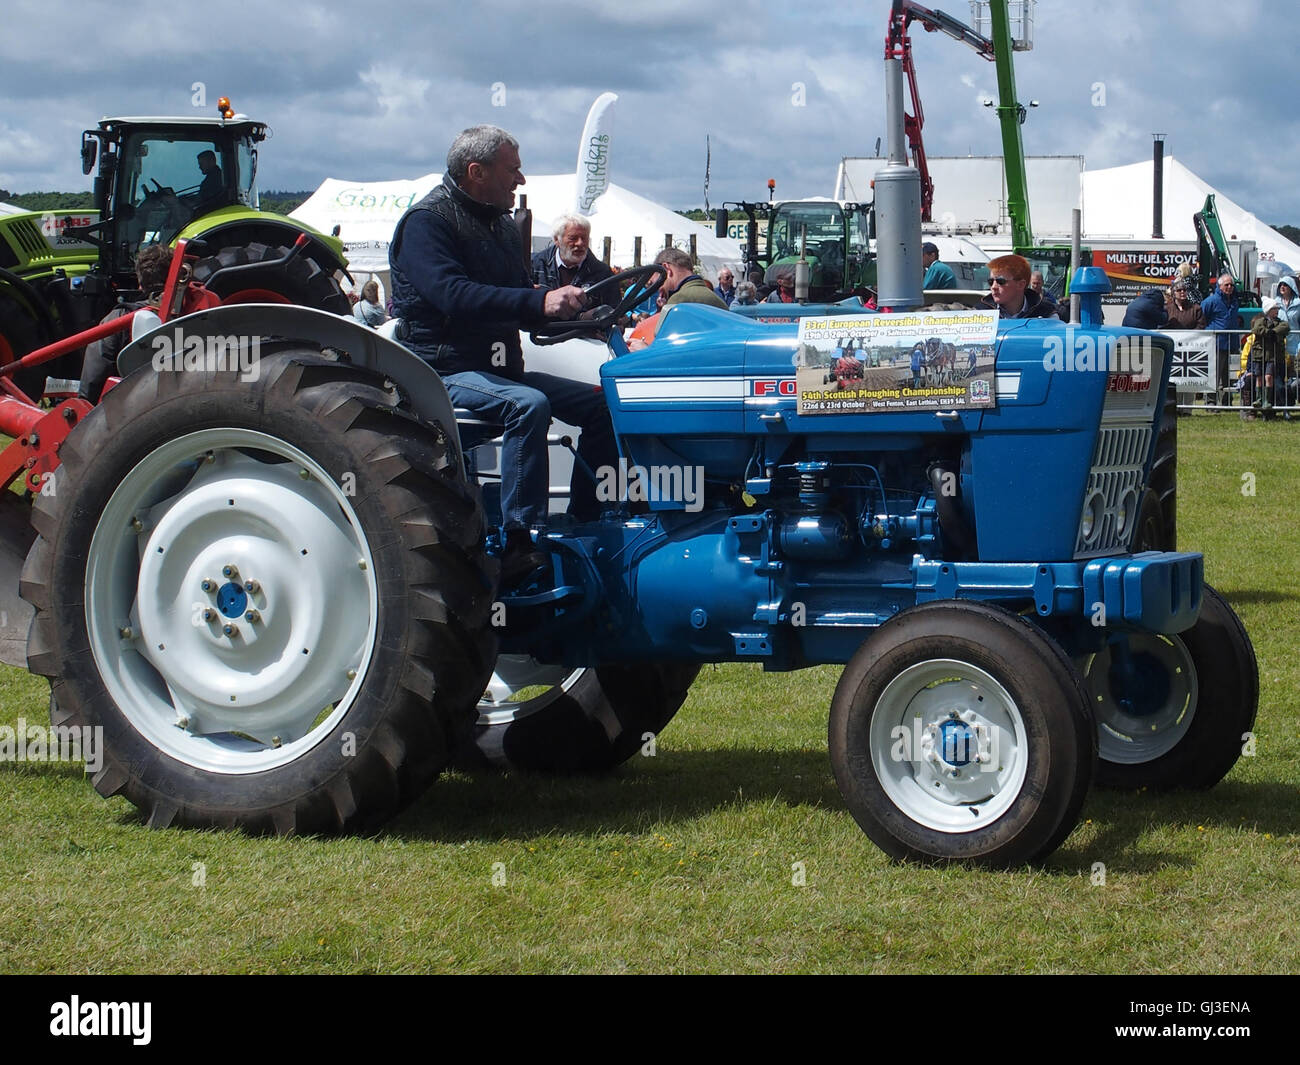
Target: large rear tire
(303,281)
(272,596)
(1174,711)
(959,732)
(556,719)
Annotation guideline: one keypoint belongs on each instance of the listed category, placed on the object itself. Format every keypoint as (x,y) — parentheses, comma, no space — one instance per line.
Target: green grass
(685,861)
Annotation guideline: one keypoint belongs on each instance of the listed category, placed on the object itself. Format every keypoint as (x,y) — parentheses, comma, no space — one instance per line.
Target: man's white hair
(564,221)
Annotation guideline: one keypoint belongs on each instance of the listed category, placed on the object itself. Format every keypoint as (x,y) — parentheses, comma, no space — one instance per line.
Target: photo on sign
(914,360)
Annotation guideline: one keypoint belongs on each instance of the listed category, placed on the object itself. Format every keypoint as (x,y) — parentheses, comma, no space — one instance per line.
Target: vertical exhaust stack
(1158,187)
(898,209)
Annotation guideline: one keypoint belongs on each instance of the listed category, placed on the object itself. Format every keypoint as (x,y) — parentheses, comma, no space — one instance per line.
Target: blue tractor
(272,583)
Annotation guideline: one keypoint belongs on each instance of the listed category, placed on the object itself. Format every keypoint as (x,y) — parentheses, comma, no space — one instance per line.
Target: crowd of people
(1265,348)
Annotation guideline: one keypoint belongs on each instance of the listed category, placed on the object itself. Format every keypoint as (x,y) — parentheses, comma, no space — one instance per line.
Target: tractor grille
(29,238)
(1116,476)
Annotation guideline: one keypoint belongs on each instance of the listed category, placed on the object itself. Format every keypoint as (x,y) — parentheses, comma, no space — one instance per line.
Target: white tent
(367,213)
(9,208)
(1117,203)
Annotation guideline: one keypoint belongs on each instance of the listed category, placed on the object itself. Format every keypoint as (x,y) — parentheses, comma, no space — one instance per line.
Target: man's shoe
(520,558)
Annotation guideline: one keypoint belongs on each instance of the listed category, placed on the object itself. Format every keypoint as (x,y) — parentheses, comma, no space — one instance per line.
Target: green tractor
(158,180)
(833,238)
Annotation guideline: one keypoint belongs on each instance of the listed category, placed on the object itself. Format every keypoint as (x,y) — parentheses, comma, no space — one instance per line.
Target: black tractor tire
(926,687)
(579,720)
(1152,533)
(1201,692)
(178,472)
(302,281)
(1163,481)
(20,333)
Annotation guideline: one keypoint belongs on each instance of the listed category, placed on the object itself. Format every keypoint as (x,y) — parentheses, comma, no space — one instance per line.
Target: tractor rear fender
(243,225)
(363,346)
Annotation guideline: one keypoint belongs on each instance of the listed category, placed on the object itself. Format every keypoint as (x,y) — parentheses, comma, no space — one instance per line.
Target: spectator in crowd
(1036,283)
(726,286)
(1147,311)
(1009,290)
(368,309)
(1268,334)
(461,287)
(783,275)
(569,260)
(1181,306)
(1288,298)
(683,285)
(1221,308)
(746,295)
(938,274)
(100,362)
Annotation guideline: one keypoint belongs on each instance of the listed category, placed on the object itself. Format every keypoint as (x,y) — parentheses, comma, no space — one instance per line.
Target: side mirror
(719,222)
(89,147)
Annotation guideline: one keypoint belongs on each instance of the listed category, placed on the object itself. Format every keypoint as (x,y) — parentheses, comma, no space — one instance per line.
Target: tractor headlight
(1093,511)
(1126,515)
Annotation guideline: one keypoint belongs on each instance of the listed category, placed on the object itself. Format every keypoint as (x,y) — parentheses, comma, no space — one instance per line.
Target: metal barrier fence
(1210,379)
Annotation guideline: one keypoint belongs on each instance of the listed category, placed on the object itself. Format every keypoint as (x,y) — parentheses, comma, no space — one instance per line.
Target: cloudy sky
(374,91)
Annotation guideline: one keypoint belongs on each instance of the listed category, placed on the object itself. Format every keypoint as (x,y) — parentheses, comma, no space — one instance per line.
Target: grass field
(730,850)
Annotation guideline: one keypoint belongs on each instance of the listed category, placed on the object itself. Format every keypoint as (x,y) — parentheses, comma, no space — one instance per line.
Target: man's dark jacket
(460,284)
(1147,311)
(1035,306)
(546,272)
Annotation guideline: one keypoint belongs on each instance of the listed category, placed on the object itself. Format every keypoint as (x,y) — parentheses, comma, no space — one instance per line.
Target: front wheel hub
(948,745)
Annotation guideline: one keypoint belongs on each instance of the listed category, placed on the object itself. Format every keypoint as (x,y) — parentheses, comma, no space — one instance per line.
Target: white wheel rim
(516,673)
(948,745)
(1128,735)
(266,693)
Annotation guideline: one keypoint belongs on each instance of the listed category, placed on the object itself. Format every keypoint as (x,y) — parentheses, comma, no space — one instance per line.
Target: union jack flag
(1191,364)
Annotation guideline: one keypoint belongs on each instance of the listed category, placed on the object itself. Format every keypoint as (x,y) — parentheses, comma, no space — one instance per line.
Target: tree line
(277,202)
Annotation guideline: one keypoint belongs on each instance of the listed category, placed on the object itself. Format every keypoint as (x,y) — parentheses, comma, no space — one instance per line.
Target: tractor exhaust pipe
(898,209)
(1158,187)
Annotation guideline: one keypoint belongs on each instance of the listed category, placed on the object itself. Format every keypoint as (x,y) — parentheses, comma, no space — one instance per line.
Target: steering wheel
(166,208)
(642,282)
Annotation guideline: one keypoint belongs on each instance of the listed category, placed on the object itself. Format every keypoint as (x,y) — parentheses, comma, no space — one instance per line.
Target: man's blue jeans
(524,408)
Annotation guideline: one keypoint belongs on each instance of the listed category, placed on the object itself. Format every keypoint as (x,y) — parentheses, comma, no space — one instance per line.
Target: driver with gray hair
(462,287)
(569,260)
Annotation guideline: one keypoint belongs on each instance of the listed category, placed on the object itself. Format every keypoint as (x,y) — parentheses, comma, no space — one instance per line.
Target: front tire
(1173,711)
(272,596)
(959,732)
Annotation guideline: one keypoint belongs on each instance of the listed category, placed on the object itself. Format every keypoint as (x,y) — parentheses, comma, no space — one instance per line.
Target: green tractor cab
(157,179)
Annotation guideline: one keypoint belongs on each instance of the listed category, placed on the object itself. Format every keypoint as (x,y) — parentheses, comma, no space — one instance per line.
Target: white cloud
(379,92)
